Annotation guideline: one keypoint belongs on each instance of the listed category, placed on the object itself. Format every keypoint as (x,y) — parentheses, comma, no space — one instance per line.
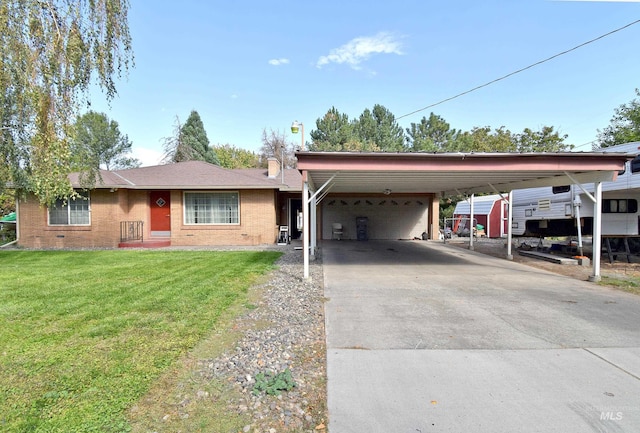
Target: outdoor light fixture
(298,126)
(387,191)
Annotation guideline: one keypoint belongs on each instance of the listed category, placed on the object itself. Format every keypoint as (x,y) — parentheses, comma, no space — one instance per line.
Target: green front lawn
(84,334)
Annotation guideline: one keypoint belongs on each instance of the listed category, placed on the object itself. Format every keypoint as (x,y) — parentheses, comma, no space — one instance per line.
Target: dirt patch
(498,248)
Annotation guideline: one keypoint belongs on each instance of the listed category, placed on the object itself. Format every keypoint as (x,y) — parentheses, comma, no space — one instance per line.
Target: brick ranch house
(183,204)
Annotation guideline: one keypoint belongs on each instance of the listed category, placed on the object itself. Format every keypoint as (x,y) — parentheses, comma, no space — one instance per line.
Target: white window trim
(49,223)
(184,207)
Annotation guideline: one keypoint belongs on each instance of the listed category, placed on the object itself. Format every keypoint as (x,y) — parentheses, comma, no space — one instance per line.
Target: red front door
(160,203)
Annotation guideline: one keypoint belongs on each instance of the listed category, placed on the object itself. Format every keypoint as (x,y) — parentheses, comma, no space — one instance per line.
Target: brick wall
(107,209)
(257,222)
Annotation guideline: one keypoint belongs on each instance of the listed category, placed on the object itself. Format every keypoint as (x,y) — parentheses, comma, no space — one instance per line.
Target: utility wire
(520,70)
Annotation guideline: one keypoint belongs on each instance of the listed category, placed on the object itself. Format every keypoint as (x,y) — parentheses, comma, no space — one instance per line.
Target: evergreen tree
(334,131)
(190,142)
(379,128)
(430,135)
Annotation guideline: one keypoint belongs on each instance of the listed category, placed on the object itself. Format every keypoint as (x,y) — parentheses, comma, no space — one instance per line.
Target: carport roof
(452,173)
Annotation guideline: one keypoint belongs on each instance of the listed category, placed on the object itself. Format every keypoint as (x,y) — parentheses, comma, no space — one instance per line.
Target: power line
(520,70)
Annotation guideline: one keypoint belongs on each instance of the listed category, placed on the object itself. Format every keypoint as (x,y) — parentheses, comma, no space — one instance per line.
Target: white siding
(627,185)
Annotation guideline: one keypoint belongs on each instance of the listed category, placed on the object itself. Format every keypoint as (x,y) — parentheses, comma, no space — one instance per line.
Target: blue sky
(250,65)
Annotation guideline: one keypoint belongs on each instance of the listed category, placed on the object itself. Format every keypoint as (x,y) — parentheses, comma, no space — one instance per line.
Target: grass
(175,394)
(84,335)
(628,284)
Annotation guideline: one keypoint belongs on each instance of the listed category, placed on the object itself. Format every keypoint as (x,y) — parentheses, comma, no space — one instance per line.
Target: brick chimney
(273,167)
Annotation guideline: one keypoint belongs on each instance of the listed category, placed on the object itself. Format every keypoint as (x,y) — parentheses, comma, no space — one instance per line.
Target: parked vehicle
(555,211)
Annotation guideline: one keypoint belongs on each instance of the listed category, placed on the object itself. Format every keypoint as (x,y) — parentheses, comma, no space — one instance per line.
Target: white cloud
(278,62)
(360,49)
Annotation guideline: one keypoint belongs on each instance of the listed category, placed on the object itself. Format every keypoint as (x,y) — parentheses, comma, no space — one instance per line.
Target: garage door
(387,217)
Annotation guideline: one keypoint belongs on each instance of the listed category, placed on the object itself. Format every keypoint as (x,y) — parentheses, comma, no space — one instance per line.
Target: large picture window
(211,208)
(74,211)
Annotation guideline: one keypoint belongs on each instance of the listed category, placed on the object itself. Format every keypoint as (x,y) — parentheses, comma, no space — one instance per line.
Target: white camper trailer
(555,211)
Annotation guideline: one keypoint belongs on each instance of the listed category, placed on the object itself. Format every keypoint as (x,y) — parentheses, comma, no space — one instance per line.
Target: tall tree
(274,145)
(190,142)
(234,157)
(334,131)
(378,127)
(51,52)
(624,126)
(377,130)
(98,143)
(365,128)
(430,135)
(544,140)
(7,202)
(483,139)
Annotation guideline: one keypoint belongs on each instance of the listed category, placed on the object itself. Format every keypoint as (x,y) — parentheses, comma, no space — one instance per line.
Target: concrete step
(154,243)
(549,257)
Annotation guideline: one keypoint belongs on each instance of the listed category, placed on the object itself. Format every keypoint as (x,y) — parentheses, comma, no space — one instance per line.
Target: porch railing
(131,231)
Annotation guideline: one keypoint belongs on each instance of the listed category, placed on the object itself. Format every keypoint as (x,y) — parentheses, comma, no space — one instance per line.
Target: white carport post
(309,214)
(472,226)
(313,205)
(576,208)
(596,242)
(597,232)
(510,226)
(305,224)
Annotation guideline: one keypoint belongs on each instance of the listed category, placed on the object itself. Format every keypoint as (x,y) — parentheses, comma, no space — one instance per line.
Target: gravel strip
(285,331)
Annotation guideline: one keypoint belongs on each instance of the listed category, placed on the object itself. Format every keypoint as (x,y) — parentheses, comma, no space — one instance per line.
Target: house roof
(194,175)
(481,205)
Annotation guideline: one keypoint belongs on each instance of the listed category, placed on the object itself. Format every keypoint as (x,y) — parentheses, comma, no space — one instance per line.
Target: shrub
(273,384)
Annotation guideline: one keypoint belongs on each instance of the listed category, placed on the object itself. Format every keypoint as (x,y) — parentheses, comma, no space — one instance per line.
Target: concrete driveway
(425,337)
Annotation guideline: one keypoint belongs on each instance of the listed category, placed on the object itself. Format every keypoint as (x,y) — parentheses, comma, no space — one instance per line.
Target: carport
(443,174)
